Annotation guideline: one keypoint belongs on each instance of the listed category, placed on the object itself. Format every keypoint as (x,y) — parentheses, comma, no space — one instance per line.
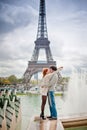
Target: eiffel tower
(42,42)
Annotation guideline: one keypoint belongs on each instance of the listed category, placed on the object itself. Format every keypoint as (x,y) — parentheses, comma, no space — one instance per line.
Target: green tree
(6,81)
(13,79)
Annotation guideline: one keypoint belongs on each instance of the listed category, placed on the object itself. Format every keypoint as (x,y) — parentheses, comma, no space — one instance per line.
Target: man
(50,80)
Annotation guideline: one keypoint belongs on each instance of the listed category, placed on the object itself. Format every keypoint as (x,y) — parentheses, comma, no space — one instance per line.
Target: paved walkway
(38,124)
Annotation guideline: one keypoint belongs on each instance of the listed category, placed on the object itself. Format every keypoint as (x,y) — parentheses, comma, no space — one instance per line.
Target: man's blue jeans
(52,105)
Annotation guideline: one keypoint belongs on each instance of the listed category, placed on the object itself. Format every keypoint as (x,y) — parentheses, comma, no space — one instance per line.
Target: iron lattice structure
(42,42)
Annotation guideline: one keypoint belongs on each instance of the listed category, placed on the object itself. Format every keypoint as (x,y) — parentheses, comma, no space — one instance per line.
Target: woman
(43,92)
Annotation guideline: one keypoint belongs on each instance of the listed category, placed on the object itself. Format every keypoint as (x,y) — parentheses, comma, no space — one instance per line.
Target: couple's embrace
(50,78)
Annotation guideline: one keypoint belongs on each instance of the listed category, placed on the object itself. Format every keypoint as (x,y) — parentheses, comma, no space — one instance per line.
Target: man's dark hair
(53,68)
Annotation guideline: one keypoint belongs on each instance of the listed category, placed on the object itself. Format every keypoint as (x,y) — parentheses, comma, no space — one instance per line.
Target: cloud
(12,17)
(17,44)
(15,47)
(15,67)
(68,36)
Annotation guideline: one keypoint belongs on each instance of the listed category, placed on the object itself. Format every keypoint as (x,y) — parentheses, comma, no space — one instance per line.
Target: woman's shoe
(42,116)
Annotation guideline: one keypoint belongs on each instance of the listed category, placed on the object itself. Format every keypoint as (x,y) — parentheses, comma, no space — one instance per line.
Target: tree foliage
(11,80)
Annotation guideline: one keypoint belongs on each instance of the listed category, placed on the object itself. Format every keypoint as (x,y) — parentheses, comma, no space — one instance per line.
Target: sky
(67,33)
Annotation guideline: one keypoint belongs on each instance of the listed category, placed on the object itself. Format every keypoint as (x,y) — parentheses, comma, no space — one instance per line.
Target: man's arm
(58,69)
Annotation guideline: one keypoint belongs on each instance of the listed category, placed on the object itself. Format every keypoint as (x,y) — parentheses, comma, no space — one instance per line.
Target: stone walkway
(38,124)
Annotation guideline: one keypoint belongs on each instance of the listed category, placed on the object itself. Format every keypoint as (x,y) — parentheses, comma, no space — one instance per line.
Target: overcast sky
(67,32)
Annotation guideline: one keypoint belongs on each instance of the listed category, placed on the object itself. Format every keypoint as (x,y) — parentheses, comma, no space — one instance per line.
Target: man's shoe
(49,116)
(53,118)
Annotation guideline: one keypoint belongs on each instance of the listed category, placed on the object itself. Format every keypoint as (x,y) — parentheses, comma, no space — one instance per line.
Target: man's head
(52,68)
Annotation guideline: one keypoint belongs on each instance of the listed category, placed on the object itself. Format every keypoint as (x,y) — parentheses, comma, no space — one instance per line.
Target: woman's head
(45,70)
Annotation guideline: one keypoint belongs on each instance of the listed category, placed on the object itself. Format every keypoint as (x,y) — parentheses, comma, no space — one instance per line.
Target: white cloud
(17,46)
(12,16)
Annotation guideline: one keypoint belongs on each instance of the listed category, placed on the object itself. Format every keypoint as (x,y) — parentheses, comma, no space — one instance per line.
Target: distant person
(50,81)
(43,91)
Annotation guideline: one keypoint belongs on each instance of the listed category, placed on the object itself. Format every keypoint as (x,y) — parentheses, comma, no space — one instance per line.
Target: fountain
(75,105)
(77,93)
